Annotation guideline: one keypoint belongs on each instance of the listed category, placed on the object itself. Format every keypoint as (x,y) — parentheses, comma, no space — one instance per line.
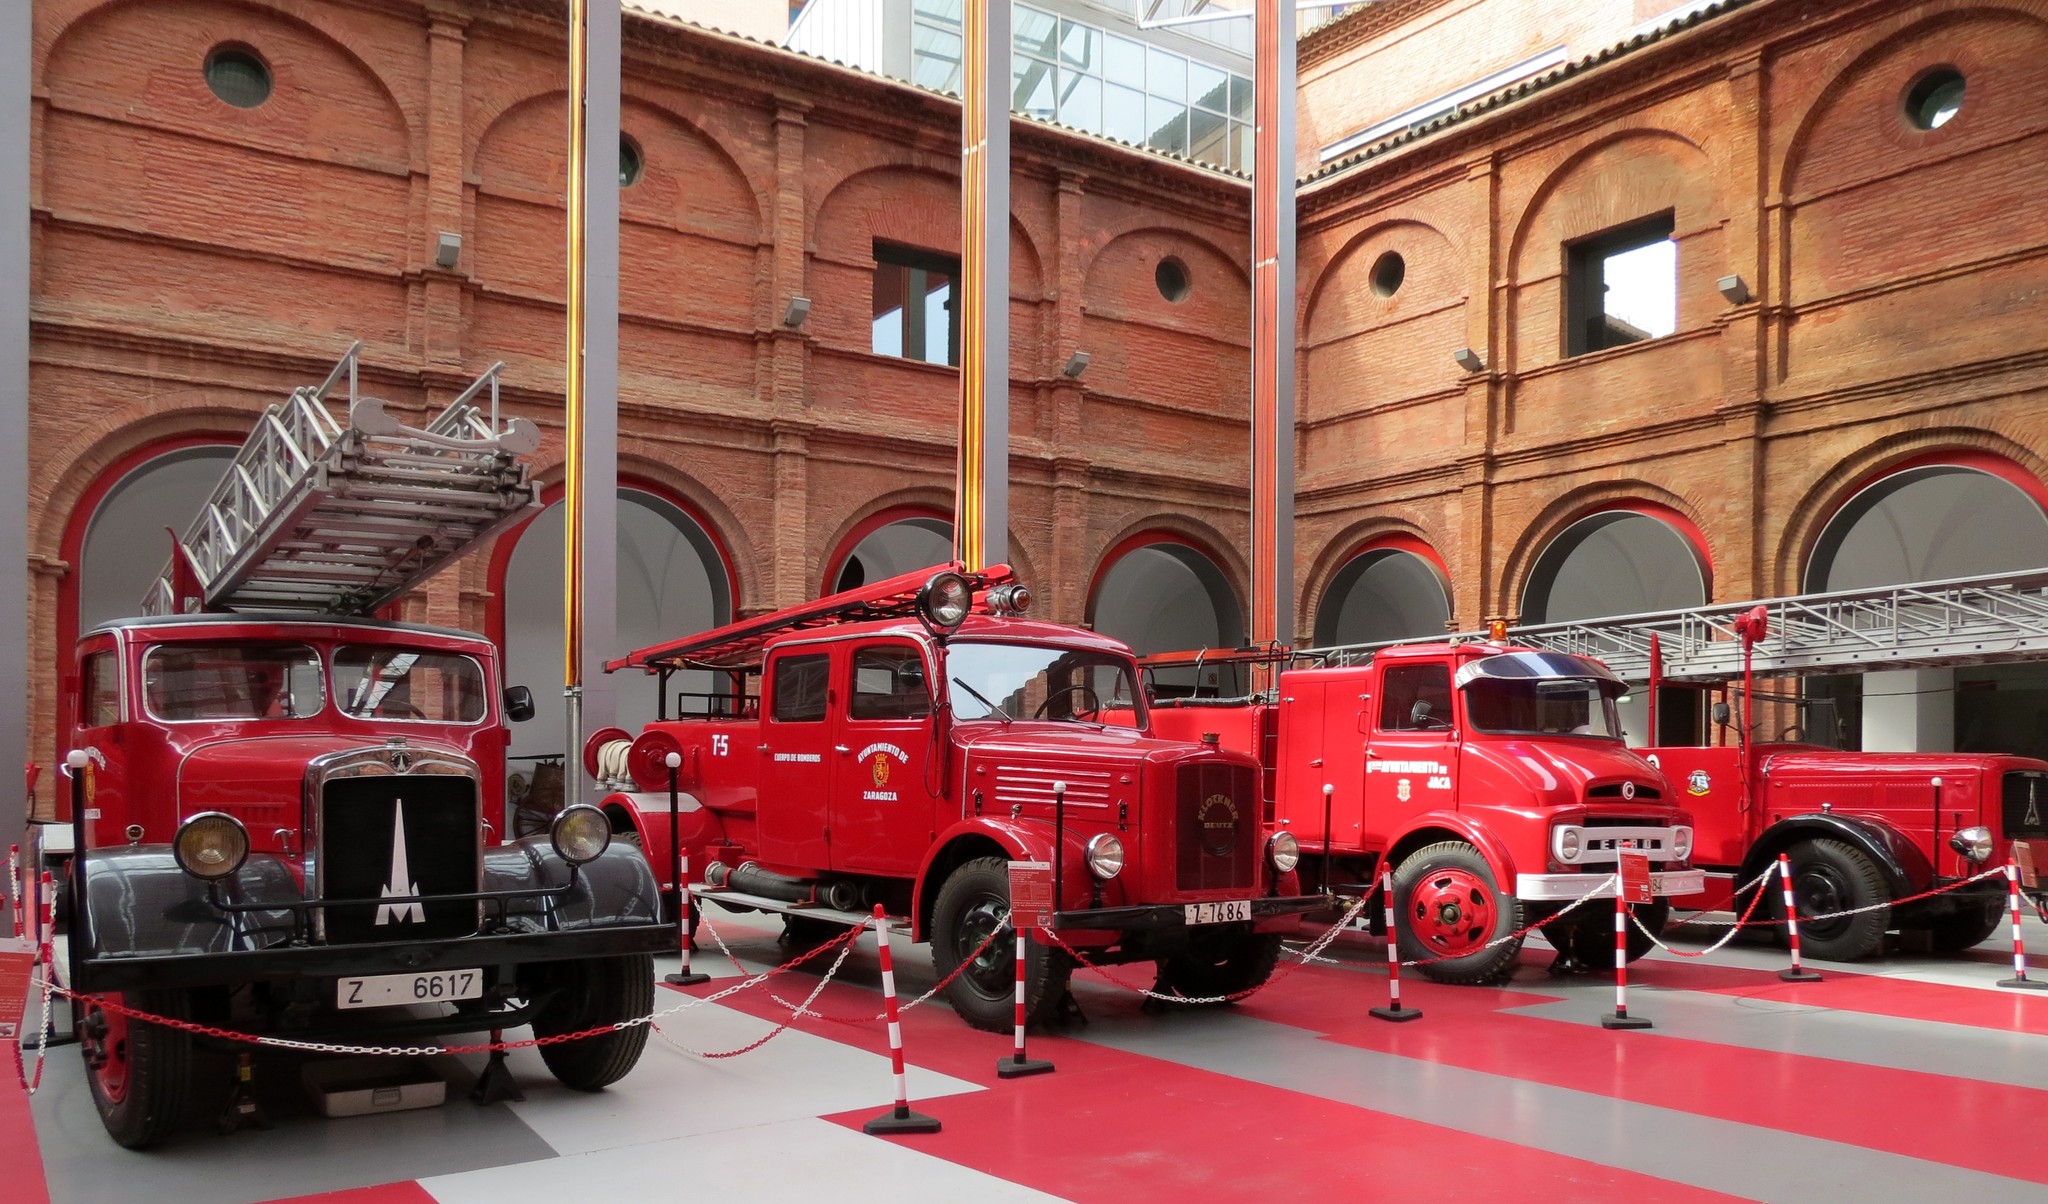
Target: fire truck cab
(902,744)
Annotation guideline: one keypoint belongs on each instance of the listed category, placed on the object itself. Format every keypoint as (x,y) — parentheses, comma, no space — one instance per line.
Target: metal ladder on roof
(1970,620)
(342,515)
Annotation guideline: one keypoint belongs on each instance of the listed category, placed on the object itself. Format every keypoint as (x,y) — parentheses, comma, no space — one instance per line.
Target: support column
(1273,301)
(17,35)
(981,498)
(791,571)
(441,338)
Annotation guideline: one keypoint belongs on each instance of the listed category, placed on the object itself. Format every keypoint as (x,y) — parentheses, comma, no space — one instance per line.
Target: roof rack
(741,645)
(343,515)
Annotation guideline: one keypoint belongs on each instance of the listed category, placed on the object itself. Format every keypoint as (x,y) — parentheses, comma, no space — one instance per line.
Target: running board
(815,911)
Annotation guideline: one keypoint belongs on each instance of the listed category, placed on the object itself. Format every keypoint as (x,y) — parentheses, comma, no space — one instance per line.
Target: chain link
(802,1011)
(1320,943)
(778,1030)
(45,961)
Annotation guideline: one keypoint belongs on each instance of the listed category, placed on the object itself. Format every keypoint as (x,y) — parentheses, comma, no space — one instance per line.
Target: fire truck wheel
(140,1073)
(1450,908)
(599,991)
(1590,936)
(1962,930)
(1829,876)
(1225,965)
(970,906)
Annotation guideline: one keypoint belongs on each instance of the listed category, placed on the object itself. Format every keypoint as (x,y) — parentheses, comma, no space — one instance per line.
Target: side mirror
(1419,713)
(1721,713)
(518,704)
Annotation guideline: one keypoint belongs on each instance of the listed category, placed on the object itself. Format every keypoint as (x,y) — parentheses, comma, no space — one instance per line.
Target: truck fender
(645,816)
(1904,865)
(140,904)
(984,836)
(1417,833)
(616,887)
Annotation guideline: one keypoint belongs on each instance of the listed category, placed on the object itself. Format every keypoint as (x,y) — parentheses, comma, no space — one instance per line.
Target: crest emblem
(1217,821)
(401,760)
(1401,790)
(1628,790)
(881,769)
(1697,782)
(400,884)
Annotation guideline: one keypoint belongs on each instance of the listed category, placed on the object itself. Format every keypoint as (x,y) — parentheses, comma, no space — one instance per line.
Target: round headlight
(581,833)
(1973,843)
(1568,845)
(211,845)
(1681,844)
(1105,856)
(946,599)
(1283,851)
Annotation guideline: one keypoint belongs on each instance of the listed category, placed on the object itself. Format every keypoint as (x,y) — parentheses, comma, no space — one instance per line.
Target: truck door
(882,811)
(795,771)
(98,732)
(1409,766)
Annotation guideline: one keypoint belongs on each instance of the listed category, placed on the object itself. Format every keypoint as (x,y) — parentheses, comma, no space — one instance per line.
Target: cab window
(99,697)
(408,684)
(185,682)
(800,688)
(889,683)
(1416,698)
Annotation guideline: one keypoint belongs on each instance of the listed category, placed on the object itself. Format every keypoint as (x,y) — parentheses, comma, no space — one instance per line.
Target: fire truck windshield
(182,683)
(1542,707)
(407,683)
(1037,681)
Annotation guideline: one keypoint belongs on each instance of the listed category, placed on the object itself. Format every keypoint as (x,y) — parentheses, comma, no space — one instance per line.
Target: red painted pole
(47,896)
(1621,1018)
(1017,1066)
(14,886)
(684,977)
(901,1119)
(2019,980)
(1393,1011)
(1797,973)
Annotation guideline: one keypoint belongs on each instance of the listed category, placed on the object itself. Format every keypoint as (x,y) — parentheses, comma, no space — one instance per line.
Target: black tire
(140,1074)
(598,991)
(972,902)
(1589,934)
(1830,876)
(1222,964)
(1445,899)
(1960,930)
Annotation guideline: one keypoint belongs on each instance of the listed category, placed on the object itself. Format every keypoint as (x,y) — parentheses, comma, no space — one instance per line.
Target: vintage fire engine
(903,743)
(1858,829)
(1492,779)
(289,807)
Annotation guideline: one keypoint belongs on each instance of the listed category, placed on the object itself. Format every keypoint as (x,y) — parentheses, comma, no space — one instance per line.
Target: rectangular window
(184,683)
(1031,84)
(800,692)
(914,314)
(889,683)
(1123,114)
(408,684)
(99,699)
(1416,698)
(1621,287)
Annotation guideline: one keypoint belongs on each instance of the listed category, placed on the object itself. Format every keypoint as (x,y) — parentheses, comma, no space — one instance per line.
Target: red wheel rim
(112,1043)
(1452,912)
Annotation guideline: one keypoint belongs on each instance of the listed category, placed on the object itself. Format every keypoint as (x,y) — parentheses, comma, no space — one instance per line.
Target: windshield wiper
(983,699)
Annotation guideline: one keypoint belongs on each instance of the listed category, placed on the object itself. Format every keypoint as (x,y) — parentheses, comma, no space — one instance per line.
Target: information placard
(14,972)
(1031,900)
(1635,878)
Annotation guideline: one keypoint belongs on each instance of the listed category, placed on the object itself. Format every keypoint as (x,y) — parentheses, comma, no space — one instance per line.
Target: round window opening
(630,162)
(1172,278)
(1935,98)
(1388,271)
(237,76)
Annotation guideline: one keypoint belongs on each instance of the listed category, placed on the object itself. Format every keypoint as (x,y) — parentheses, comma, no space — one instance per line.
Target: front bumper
(396,957)
(1164,917)
(1563,888)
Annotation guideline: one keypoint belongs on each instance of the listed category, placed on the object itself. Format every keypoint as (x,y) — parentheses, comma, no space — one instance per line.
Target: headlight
(1105,856)
(1569,843)
(1973,843)
(1681,844)
(1283,851)
(946,599)
(581,833)
(211,845)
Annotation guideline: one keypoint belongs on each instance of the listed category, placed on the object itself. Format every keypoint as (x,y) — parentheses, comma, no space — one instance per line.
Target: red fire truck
(903,743)
(288,807)
(1859,829)
(1491,778)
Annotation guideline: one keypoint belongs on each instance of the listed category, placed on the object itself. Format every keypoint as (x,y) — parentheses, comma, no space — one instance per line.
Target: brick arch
(1180,528)
(933,223)
(1554,519)
(1366,535)
(1572,165)
(1108,238)
(1350,333)
(1810,515)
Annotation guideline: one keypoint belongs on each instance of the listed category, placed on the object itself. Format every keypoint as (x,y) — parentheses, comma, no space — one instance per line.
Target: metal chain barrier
(1315,948)
(1996,871)
(45,961)
(778,1030)
(801,1010)
(1598,891)
(1755,898)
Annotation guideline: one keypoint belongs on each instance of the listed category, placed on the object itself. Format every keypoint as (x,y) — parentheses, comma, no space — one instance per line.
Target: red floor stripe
(389,1193)
(21,1159)
(1846,991)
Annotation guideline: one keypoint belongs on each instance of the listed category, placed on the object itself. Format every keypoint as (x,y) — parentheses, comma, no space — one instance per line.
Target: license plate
(1219,913)
(391,990)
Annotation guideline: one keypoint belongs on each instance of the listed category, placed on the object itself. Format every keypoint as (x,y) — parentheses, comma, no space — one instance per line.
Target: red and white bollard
(680,862)
(1393,1011)
(2019,980)
(1797,973)
(14,886)
(1621,1018)
(899,1119)
(1017,1066)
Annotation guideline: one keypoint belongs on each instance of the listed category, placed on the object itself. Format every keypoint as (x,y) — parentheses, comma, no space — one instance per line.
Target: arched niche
(1390,589)
(1194,351)
(1160,593)
(888,544)
(1618,562)
(1392,288)
(127,540)
(1932,520)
